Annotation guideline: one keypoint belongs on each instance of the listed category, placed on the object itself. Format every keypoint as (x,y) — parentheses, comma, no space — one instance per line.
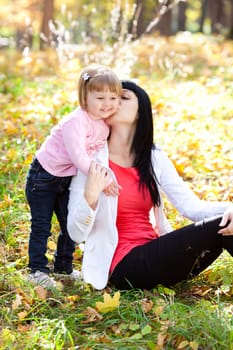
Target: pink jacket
(72,143)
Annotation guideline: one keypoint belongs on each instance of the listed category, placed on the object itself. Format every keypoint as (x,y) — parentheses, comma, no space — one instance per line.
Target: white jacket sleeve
(80,215)
(178,192)
(96,228)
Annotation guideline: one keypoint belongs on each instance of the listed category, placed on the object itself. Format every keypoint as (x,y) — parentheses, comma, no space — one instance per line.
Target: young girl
(69,148)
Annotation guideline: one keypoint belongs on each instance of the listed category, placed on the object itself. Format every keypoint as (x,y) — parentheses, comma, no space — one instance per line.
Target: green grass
(193,123)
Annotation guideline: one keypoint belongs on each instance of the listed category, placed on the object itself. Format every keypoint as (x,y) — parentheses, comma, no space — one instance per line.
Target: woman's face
(127,111)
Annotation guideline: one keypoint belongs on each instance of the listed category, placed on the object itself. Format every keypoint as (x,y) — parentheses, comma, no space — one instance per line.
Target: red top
(133,224)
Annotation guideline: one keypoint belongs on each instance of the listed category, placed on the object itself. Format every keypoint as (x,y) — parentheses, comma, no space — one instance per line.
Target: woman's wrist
(91,199)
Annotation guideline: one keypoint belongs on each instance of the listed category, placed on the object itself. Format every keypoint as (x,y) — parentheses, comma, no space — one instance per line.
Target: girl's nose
(107,102)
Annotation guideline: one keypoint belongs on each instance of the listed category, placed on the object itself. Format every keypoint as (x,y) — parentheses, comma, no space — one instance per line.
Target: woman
(120,242)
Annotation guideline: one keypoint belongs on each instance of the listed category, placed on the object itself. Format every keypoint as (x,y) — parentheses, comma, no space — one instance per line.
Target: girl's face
(101,104)
(127,111)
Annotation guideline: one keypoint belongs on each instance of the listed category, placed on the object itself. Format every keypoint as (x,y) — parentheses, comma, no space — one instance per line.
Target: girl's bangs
(103,83)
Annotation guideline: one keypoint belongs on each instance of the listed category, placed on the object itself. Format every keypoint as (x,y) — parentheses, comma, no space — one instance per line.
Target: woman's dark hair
(143,144)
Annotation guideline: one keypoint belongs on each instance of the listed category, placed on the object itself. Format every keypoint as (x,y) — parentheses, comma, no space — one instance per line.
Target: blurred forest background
(37,24)
(181,52)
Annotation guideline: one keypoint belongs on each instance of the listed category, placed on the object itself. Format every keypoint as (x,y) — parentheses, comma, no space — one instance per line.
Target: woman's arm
(179,194)
(97,179)
(83,202)
(227,218)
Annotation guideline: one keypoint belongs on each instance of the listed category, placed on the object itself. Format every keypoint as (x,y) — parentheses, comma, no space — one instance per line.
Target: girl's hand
(97,179)
(112,189)
(227,218)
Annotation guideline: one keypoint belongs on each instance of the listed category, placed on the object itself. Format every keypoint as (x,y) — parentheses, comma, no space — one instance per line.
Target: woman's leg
(172,258)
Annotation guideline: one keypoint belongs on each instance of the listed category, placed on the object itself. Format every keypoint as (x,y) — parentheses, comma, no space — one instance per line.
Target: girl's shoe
(76,275)
(42,278)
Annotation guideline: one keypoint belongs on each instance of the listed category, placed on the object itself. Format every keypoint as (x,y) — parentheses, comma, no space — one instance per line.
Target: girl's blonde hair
(97,79)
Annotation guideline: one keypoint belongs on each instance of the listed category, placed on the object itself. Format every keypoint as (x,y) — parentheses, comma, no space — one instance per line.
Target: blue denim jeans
(48,194)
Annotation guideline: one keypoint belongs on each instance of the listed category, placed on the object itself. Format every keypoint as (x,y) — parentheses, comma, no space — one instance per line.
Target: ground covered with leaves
(189,79)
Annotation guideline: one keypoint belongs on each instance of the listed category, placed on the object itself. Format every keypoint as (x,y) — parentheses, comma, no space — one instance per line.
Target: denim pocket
(38,176)
(42,177)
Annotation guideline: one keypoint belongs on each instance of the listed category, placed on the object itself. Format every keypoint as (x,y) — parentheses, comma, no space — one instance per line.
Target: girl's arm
(74,134)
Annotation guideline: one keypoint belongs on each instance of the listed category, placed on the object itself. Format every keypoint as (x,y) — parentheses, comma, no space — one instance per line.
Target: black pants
(169,259)
(48,194)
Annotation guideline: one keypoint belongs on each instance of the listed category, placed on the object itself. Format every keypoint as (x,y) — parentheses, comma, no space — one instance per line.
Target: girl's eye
(124,97)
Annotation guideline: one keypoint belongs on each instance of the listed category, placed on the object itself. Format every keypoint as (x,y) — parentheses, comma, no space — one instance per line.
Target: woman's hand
(97,179)
(227,218)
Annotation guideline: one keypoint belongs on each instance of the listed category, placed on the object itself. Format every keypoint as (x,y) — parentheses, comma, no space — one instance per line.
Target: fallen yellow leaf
(72,298)
(52,245)
(92,315)
(24,327)
(22,315)
(109,303)
(6,337)
(146,305)
(194,345)
(183,344)
(17,302)
(41,292)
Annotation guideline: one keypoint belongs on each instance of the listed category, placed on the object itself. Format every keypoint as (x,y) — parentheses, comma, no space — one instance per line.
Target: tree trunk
(136,25)
(164,24)
(230,35)
(24,37)
(182,6)
(143,15)
(204,4)
(48,12)
(216,9)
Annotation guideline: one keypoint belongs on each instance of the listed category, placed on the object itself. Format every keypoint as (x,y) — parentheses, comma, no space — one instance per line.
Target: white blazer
(97,228)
